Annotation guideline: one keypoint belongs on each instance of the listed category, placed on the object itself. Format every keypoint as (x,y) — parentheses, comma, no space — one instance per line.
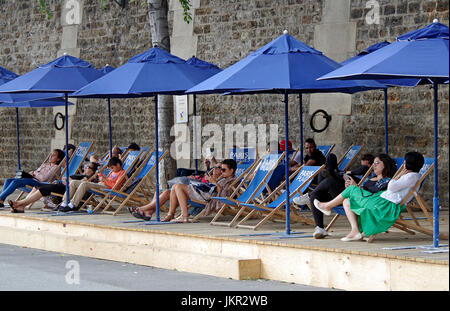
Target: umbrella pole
(67,147)
(157,159)
(109,119)
(300,100)
(386,121)
(195,134)
(18,142)
(436,194)
(286,158)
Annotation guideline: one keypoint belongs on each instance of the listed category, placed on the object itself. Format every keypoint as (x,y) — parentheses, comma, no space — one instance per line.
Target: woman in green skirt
(377,211)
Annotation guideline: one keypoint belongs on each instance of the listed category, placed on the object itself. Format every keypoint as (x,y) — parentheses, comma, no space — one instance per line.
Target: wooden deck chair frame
(225,207)
(92,200)
(140,195)
(278,212)
(355,156)
(413,225)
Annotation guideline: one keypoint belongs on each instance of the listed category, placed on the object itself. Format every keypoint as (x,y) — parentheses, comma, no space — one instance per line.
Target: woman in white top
(377,211)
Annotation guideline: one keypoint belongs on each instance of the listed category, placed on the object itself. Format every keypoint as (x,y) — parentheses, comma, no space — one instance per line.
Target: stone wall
(27,39)
(225,32)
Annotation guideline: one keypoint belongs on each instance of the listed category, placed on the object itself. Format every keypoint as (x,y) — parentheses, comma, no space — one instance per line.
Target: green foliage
(185,4)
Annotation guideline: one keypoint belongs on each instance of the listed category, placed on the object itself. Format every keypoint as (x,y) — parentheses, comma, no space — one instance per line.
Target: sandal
(13,209)
(181,219)
(140,216)
(169,217)
(132,209)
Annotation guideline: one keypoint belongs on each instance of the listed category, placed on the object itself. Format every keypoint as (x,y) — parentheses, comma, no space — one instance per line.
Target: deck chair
(326,149)
(243,170)
(138,190)
(260,182)
(348,158)
(409,226)
(75,163)
(339,210)
(275,209)
(127,165)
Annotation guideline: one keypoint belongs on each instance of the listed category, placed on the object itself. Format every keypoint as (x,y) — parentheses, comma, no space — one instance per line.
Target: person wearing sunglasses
(219,187)
(145,212)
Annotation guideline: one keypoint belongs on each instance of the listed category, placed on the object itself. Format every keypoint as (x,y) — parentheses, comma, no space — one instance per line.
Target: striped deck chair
(263,175)
(128,165)
(138,189)
(348,158)
(409,226)
(276,209)
(326,149)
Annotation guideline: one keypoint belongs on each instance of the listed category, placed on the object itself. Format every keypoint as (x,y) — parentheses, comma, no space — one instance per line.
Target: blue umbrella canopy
(64,74)
(6,76)
(390,82)
(283,64)
(152,72)
(107,69)
(421,54)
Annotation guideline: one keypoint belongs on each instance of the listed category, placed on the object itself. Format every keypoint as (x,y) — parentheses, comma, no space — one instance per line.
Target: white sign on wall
(181,109)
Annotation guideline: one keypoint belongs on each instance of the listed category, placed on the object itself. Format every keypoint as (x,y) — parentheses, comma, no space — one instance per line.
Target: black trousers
(326,190)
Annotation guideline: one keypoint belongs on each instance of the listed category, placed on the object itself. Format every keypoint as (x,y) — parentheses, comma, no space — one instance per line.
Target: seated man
(313,156)
(78,188)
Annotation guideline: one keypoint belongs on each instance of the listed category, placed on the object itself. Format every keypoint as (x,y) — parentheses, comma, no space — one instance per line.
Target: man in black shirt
(313,156)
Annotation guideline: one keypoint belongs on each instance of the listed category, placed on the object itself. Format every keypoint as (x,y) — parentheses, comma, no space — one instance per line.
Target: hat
(283,145)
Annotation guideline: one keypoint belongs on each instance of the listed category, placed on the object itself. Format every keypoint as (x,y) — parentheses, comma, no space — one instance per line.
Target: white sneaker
(319,233)
(301,200)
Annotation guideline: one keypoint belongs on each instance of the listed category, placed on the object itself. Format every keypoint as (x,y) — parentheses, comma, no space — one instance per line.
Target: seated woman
(47,172)
(372,213)
(47,189)
(145,212)
(181,193)
(329,188)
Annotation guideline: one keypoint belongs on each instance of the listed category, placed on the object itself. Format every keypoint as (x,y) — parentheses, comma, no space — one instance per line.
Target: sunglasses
(223,169)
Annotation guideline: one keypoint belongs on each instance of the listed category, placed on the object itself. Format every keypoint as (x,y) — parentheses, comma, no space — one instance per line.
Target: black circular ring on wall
(323,114)
(59,115)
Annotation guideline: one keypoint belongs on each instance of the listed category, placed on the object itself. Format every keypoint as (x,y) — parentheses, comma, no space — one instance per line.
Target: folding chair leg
(196,217)
(332,222)
(220,212)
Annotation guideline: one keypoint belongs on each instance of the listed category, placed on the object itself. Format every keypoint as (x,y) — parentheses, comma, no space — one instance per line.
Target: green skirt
(376,214)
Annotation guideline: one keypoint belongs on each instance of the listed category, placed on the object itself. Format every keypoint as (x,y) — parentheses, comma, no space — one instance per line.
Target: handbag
(23,174)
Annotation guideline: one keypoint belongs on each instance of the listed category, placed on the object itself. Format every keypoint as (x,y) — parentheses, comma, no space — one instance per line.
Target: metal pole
(67,147)
(195,134)
(109,119)
(157,159)
(386,121)
(18,142)
(436,194)
(286,157)
(300,100)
